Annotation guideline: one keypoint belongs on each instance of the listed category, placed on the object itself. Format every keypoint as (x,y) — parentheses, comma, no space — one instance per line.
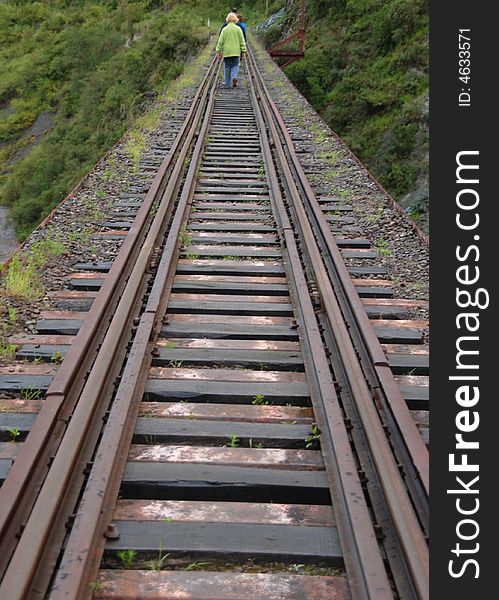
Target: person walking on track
(232,47)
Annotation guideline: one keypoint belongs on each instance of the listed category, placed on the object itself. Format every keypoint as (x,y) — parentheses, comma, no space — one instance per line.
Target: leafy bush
(366,70)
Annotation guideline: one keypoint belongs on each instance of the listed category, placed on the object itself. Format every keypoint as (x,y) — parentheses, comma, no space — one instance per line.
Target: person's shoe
(234,83)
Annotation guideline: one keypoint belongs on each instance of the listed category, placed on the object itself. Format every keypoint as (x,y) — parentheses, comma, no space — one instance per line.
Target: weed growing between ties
(62,61)
(312,441)
(21,279)
(127,558)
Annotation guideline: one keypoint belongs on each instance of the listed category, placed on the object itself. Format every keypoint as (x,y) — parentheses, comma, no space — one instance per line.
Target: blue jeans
(231,69)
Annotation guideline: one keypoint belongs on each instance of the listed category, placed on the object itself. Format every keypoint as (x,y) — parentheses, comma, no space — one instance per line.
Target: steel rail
(404,518)
(352,303)
(85,544)
(25,563)
(362,556)
(408,445)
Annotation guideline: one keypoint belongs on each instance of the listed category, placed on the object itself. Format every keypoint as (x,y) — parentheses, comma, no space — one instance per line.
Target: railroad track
(225,424)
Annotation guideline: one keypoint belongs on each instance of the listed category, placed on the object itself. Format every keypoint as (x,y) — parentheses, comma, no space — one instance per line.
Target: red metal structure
(291,55)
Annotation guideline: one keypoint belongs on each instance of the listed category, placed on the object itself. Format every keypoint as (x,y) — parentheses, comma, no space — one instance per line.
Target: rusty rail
(72,401)
(85,544)
(313,226)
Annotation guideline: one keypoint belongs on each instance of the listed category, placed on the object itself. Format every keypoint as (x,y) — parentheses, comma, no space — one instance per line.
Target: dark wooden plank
(38,340)
(232,216)
(225,512)
(229,320)
(212,287)
(226,226)
(231,181)
(123,214)
(206,197)
(59,326)
(204,585)
(400,302)
(231,308)
(236,375)
(10,450)
(20,405)
(353,242)
(336,219)
(216,344)
(252,188)
(374,291)
(410,364)
(15,421)
(244,171)
(360,253)
(416,397)
(218,156)
(116,224)
(275,360)
(27,369)
(237,206)
(5,464)
(76,305)
(111,234)
(163,481)
(73,300)
(239,279)
(27,384)
(421,417)
(406,348)
(231,540)
(212,391)
(235,238)
(234,267)
(102,267)
(60,314)
(246,251)
(397,335)
(42,351)
(273,458)
(229,331)
(209,433)
(88,283)
(264,413)
(386,312)
(370,270)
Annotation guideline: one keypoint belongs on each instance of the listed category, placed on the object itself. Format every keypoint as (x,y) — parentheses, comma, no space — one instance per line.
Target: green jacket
(231,41)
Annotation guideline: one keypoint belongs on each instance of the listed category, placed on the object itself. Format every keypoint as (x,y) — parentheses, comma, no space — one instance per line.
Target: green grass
(31,394)
(259,400)
(7,350)
(365,70)
(14,433)
(233,442)
(312,441)
(21,279)
(382,247)
(127,558)
(89,68)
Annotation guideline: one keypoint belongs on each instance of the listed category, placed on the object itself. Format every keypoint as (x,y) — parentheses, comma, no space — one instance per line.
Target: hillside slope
(366,71)
(75,76)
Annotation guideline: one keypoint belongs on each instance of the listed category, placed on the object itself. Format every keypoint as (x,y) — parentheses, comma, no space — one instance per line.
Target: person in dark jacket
(242,25)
